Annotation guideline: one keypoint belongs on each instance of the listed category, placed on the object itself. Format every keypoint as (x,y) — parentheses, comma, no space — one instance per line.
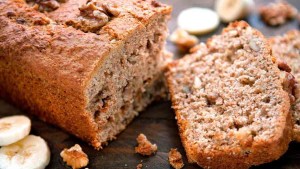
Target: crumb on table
(175,159)
(75,157)
(145,147)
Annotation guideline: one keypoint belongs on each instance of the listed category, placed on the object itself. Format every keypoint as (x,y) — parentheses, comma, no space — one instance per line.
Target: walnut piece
(94,15)
(277,13)
(44,5)
(111,9)
(289,84)
(145,147)
(175,159)
(183,40)
(282,65)
(75,157)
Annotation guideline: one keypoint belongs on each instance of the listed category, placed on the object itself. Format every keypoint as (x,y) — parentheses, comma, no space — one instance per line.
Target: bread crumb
(277,13)
(175,159)
(139,166)
(75,157)
(183,40)
(145,147)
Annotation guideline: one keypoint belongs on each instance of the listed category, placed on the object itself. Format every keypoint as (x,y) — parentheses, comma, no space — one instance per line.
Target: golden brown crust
(262,151)
(286,49)
(47,66)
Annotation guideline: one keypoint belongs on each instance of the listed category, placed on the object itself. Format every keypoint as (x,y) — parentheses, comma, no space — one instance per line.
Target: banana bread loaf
(286,49)
(87,66)
(230,103)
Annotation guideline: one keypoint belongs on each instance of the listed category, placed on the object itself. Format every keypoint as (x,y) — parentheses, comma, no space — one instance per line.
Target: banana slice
(231,10)
(32,152)
(198,20)
(13,129)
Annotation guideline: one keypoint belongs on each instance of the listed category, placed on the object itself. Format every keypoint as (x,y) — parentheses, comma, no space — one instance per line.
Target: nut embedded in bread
(145,147)
(230,104)
(88,68)
(286,49)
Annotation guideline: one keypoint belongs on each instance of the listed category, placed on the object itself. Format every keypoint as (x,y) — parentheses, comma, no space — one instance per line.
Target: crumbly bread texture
(145,147)
(175,159)
(277,13)
(230,104)
(286,49)
(86,66)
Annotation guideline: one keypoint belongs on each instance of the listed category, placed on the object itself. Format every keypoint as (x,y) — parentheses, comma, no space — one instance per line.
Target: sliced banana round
(198,20)
(13,129)
(32,152)
(231,10)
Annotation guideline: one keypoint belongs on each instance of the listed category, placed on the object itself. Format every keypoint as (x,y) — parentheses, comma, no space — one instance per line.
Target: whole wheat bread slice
(230,104)
(286,49)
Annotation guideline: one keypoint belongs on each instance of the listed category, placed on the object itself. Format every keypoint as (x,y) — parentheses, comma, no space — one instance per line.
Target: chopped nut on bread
(175,159)
(277,13)
(183,40)
(145,147)
(75,157)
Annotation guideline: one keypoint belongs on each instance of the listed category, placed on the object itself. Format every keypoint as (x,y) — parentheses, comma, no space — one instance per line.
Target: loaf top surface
(62,42)
(229,98)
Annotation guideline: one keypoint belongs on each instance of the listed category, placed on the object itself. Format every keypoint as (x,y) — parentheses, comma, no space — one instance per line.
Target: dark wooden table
(157,122)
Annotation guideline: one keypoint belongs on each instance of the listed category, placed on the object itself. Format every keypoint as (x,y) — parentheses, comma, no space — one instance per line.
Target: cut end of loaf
(129,80)
(229,100)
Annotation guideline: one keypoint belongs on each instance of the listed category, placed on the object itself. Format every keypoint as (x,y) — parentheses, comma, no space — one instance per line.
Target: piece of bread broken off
(145,147)
(286,49)
(230,105)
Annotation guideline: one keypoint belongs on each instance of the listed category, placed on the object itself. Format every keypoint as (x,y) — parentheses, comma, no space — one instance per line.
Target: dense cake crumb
(277,13)
(286,49)
(175,159)
(230,102)
(145,147)
(75,157)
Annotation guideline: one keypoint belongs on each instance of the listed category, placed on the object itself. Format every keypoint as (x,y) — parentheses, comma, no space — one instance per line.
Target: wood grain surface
(157,122)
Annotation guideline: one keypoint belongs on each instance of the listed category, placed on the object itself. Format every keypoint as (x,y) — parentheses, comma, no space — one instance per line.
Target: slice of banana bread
(286,49)
(230,105)
(86,66)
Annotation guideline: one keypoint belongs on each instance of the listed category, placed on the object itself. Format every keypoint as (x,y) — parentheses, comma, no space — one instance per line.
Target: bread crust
(286,49)
(262,151)
(46,67)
